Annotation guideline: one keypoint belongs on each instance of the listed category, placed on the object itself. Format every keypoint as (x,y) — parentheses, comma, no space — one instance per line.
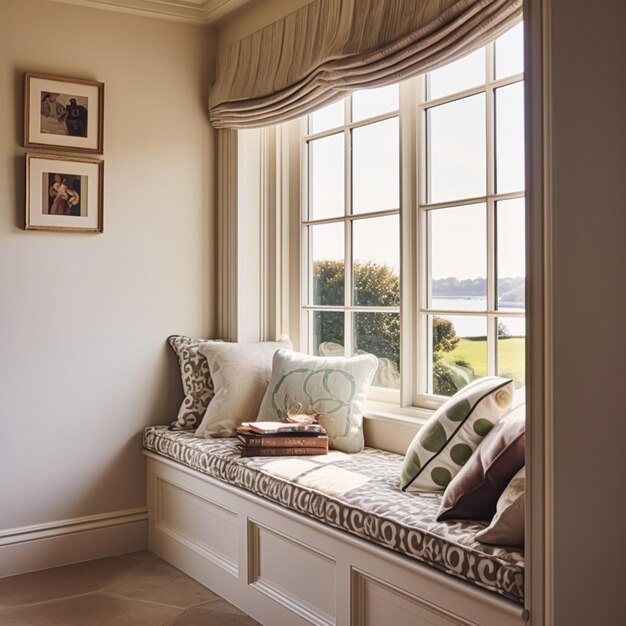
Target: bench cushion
(360,494)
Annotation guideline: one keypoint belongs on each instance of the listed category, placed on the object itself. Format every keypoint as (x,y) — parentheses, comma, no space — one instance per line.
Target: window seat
(357,494)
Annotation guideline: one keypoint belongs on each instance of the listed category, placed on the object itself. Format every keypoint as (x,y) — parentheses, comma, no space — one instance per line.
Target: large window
(427,176)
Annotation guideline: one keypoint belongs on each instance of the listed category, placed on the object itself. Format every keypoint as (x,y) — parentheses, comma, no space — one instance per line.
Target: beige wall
(588,135)
(83,317)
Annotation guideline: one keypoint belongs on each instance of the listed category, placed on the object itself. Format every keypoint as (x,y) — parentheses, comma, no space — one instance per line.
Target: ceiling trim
(190,11)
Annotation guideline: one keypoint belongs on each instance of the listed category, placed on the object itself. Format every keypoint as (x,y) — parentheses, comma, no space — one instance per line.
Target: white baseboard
(31,548)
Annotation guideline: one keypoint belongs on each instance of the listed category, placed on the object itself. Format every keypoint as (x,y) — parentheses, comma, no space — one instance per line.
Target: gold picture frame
(63,113)
(64,193)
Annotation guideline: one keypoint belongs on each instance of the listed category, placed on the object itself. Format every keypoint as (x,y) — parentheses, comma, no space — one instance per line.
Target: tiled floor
(132,590)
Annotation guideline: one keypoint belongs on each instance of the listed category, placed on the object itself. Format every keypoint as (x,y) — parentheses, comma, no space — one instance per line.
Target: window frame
(411,400)
(385,396)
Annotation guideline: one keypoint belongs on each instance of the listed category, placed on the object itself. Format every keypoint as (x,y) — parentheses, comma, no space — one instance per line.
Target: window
(351,231)
(427,176)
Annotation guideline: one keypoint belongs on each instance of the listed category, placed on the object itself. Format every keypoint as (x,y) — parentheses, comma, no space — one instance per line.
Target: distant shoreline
(502,303)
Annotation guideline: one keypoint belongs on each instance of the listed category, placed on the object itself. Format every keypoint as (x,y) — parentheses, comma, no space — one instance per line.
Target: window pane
(326,177)
(511,349)
(376,261)
(379,334)
(456,150)
(327,259)
(510,52)
(457,76)
(459,352)
(376,167)
(510,138)
(330,116)
(457,263)
(327,333)
(511,257)
(371,102)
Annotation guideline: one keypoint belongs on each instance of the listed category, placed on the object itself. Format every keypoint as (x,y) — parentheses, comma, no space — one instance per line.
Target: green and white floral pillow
(448,439)
(333,387)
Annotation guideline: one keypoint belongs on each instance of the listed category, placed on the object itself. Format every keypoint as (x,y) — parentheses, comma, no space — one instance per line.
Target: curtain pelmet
(330,48)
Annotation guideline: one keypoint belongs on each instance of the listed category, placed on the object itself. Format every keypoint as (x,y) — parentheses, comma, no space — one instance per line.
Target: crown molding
(201,12)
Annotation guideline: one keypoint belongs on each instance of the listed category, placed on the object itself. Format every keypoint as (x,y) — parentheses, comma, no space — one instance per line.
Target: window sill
(391,427)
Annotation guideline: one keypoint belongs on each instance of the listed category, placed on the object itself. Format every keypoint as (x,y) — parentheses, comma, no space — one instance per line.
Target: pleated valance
(330,48)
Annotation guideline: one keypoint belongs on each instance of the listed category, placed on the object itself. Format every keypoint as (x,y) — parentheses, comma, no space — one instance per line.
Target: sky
(456,142)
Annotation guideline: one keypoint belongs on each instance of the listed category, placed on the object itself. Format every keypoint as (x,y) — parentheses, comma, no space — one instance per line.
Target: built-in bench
(326,540)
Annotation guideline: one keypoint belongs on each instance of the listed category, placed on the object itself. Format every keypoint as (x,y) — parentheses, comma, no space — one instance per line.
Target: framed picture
(64,193)
(63,113)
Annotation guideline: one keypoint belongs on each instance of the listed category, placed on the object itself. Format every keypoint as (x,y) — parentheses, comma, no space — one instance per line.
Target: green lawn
(510,357)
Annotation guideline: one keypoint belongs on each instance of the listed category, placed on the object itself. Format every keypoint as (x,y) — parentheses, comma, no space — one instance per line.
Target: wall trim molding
(203,12)
(21,534)
(41,546)
(227,225)
(539,354)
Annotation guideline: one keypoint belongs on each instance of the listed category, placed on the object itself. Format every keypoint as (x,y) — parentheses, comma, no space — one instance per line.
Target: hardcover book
(266,428)
(284,440)
(247,451)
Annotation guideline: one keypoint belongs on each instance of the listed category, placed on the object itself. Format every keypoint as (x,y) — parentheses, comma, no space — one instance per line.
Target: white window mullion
(492,331)
(409,295)
(306,326)
(348,287)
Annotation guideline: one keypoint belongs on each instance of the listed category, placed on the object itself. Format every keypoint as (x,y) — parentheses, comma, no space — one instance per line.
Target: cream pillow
(444,444)
(507,525)
(240,372)
(333,387)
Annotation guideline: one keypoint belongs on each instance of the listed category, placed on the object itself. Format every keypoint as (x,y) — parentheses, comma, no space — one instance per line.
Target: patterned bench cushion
(357,493)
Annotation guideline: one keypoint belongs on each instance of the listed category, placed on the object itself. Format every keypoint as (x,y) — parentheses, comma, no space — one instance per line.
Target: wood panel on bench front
(285,569)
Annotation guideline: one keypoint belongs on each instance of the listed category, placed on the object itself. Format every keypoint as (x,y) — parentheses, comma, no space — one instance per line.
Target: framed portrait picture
(63,113)
(64,193)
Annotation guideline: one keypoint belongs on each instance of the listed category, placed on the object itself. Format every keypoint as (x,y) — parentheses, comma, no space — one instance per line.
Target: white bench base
(284,569)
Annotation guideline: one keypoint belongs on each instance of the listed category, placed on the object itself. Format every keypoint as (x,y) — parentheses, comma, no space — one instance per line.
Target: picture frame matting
(63,113)
(64,193)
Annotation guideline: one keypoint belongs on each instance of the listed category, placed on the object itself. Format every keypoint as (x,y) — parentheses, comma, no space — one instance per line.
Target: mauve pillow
(473,493)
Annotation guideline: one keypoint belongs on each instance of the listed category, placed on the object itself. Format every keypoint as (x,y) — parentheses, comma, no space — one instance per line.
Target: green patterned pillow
(333,387)
(448,439)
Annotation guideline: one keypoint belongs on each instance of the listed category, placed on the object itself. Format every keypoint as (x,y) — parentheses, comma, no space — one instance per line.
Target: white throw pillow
(444,444)
(333,387)
(507,525)
(240,373)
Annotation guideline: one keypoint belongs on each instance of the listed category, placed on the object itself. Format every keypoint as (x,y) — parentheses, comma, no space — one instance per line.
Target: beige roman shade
(330,48)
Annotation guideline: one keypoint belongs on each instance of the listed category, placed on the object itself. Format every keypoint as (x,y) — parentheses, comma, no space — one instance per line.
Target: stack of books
(282,439)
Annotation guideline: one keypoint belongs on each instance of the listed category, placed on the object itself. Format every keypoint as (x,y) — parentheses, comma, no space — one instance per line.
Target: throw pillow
(240,373)
(473,493)
(196,379)
(448,439)
(507,525)
(333,387)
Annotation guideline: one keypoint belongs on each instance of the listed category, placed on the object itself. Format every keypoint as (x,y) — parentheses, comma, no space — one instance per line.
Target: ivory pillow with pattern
(444,444)
(196,380)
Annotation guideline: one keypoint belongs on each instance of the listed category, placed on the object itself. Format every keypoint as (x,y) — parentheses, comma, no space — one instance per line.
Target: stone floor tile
(62,582)
(142,555)
(157,580)
(95,609)
(218,613)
